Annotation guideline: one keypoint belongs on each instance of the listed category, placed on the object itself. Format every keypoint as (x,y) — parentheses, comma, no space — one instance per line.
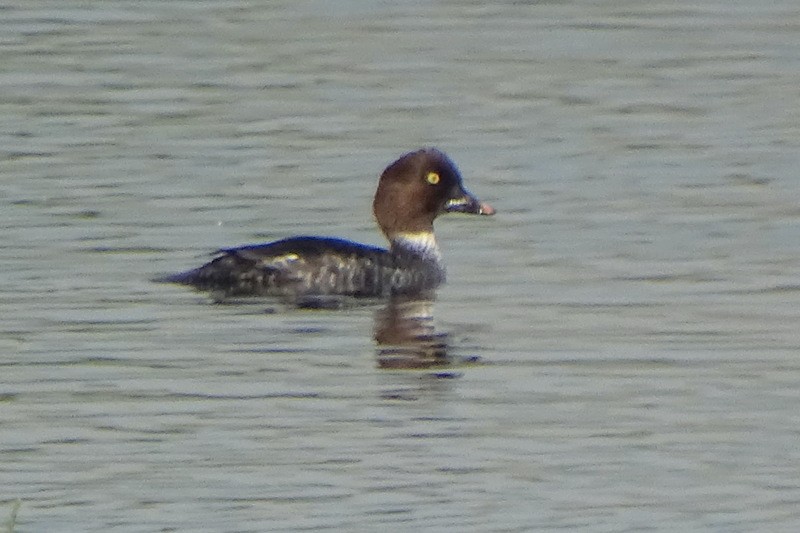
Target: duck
(412,192)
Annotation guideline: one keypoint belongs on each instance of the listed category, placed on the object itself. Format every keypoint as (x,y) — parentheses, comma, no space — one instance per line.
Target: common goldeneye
(411,193)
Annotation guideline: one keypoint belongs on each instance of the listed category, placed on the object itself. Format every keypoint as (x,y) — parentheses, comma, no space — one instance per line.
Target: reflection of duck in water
(407,337)
(411,193)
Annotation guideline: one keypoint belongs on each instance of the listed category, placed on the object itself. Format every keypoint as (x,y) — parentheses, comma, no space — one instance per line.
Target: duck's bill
(466,203)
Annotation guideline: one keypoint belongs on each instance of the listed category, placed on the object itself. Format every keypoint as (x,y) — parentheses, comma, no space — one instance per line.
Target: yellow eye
(432,178)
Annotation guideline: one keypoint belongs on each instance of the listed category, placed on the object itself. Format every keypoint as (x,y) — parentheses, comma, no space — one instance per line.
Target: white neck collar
(422,243)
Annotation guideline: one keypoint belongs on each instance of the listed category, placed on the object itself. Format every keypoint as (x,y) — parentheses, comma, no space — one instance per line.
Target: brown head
(417,188)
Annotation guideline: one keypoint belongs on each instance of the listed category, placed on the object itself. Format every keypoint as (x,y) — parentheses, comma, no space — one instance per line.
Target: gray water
(627,324)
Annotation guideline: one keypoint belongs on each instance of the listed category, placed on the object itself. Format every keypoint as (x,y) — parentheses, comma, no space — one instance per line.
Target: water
(624,330)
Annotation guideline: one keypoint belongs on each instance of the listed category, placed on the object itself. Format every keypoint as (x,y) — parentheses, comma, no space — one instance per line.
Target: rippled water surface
(625,329)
